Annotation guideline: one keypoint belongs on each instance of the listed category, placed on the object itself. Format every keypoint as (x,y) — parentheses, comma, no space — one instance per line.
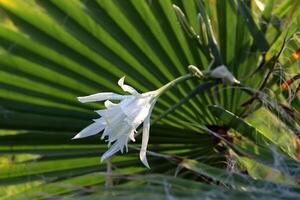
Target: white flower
(120,121)
(223,73)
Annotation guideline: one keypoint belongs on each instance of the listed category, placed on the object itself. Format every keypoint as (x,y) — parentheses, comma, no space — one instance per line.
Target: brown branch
(264,83)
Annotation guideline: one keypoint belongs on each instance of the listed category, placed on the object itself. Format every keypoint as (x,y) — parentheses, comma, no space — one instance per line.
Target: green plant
(53,51)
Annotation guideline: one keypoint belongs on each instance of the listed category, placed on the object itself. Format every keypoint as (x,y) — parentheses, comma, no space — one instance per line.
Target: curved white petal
(126,88)
(109,104)
(131,135)
(137,110)
(118,132)
(101,97)
(146,129)
(92,129)
(101,112)
(111,109)
(112,150)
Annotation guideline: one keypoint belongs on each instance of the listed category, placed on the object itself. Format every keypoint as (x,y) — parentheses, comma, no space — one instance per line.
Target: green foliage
(207,139)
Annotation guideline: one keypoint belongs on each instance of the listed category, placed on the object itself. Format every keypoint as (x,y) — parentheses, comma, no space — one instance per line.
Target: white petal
(109,104)
(101,97)
(114,117)
(92,129)
(127,88)
(146,129)
(101,120)
(145,140)
(141,116)
(101,112)
(112,150)
(115,131)
(137,110)
(131,135)
(112,109)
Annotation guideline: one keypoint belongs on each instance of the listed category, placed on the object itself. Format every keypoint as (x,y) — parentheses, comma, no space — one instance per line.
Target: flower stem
(109,178)
(172,83)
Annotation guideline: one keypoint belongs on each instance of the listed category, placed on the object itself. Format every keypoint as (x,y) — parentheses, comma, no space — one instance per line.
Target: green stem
(172,83)
(157,93)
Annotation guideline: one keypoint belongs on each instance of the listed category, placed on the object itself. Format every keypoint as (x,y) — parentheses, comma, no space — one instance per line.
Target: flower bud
(183,21)
(223,73)
(195,71)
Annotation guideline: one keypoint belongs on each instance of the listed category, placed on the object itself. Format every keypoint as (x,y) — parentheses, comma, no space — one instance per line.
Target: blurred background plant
(208,140)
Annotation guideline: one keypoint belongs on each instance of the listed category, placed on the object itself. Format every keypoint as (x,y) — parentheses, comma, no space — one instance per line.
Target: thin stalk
(171,84)
(109,177)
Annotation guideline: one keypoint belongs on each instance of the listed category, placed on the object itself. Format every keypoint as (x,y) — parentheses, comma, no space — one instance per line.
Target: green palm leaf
(54,51)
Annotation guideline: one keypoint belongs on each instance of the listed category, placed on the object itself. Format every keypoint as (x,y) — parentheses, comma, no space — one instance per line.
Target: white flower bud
(223,73)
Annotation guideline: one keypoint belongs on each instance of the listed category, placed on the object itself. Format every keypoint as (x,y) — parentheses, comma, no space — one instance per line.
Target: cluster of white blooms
(120,121)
